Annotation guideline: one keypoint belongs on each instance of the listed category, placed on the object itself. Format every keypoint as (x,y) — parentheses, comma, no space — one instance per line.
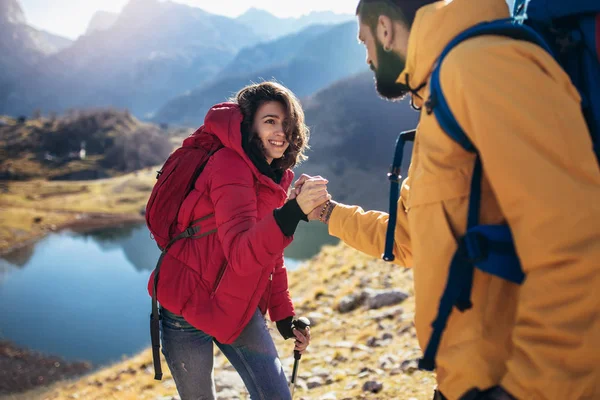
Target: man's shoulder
(493,54)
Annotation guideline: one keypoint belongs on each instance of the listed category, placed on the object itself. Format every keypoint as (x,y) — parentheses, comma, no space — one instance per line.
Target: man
(538,340)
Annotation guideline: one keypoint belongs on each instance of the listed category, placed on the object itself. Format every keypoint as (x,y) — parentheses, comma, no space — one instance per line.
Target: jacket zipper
(219,279)
(270,290)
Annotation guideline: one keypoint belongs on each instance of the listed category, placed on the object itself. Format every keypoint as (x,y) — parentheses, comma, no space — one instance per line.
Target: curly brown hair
(297,133)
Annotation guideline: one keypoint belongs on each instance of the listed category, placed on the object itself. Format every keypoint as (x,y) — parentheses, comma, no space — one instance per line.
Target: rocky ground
(364,344)
(22,370)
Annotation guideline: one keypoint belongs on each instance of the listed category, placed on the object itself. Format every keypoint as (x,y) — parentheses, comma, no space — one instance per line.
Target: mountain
(269,26)
(101,21)
(18,48)
(307,63)
(51,43)
(275,52)
(353,132)
(154,51)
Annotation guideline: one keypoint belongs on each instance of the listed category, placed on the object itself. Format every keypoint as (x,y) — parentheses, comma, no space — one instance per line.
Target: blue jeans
(189,355)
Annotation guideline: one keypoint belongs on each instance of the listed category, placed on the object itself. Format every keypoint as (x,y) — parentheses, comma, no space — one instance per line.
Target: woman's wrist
(288,217)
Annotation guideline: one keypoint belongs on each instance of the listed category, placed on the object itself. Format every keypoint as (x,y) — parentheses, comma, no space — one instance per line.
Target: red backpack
(174,182)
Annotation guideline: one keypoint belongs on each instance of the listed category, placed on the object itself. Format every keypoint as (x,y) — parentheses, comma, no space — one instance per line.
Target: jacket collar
(435,25)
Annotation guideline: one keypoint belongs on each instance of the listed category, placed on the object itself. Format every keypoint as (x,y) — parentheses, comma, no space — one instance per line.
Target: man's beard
(390,66)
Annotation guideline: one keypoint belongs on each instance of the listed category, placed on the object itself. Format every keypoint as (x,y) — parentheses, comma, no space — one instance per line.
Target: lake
(83,296)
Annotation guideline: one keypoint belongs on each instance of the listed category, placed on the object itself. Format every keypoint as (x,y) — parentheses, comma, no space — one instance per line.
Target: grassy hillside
(29,210)
(79,145)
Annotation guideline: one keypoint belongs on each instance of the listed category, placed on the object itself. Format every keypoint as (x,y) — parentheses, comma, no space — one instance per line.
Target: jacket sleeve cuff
(288,217)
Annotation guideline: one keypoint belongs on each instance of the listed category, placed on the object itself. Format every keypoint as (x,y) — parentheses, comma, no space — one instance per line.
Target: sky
(70,18)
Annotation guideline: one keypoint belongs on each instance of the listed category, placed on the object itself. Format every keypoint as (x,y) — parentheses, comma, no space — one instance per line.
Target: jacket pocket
(219,279)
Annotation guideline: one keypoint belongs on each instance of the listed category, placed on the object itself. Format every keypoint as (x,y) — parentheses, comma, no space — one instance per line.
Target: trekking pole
(300,324)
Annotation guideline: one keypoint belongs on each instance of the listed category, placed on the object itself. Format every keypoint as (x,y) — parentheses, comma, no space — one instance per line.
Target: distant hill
(101,21)
(353,133)
(154,51)
(305,62)
(79,145)
(269,26)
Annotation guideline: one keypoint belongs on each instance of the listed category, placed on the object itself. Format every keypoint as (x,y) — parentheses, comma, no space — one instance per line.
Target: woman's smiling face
(268,126)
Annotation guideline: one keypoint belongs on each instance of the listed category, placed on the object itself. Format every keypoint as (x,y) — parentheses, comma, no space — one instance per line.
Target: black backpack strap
(191,233)
(394,178)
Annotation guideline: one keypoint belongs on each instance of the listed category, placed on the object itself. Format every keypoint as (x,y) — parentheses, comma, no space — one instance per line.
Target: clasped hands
(311,194)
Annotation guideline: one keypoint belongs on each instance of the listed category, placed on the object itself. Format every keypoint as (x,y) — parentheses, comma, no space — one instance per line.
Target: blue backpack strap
(437,102)
(489,248)
(394,178)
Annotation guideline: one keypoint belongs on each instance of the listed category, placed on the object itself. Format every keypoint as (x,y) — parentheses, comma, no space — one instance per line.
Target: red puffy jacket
(216,282)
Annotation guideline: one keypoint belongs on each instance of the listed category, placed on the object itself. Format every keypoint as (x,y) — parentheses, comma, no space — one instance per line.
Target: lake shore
(25,370)
(77,222)
(29,210)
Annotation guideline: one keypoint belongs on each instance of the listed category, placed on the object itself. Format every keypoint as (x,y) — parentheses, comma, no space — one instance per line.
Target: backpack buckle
(475,247)
(394,174)
(191,231)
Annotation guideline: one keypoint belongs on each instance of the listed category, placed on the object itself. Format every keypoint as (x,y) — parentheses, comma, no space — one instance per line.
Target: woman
(218,288)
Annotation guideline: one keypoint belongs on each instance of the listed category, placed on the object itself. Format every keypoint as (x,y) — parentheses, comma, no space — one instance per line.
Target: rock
(315,381)
(328,396)
(384,298)
(391,313)
(372,386)
(228,382)
(364,281)
(229,394)
(361,347)
(387,361)
(315,318)
(387,336)
(169,383)
(351,302)
(372,342)
(409,366)
(326,310)
(321,372)
(301,384)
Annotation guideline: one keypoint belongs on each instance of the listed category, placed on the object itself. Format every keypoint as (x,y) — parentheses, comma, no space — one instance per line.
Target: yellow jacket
(540,340)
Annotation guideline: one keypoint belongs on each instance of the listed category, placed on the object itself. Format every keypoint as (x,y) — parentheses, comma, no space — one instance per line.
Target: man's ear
(385,32)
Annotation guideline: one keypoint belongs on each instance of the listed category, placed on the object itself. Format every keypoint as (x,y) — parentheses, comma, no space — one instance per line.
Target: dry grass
(28,210)
(338,347)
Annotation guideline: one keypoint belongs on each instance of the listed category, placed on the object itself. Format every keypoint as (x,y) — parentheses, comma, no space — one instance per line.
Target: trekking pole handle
(300,324)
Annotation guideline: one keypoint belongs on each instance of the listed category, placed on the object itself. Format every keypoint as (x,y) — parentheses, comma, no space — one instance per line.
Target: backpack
(570,32)
(174,182)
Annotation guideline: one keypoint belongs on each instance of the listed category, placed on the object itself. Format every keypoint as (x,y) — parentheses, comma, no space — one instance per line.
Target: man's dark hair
(368,11)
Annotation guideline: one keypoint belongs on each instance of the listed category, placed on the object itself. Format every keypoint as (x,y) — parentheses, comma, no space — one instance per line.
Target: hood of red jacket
(223,122)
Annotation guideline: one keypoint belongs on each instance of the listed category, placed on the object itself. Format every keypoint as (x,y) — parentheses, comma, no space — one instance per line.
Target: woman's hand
(311,193)
(302,339)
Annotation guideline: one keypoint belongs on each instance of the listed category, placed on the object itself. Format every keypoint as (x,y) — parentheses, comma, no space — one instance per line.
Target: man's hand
(298,184)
